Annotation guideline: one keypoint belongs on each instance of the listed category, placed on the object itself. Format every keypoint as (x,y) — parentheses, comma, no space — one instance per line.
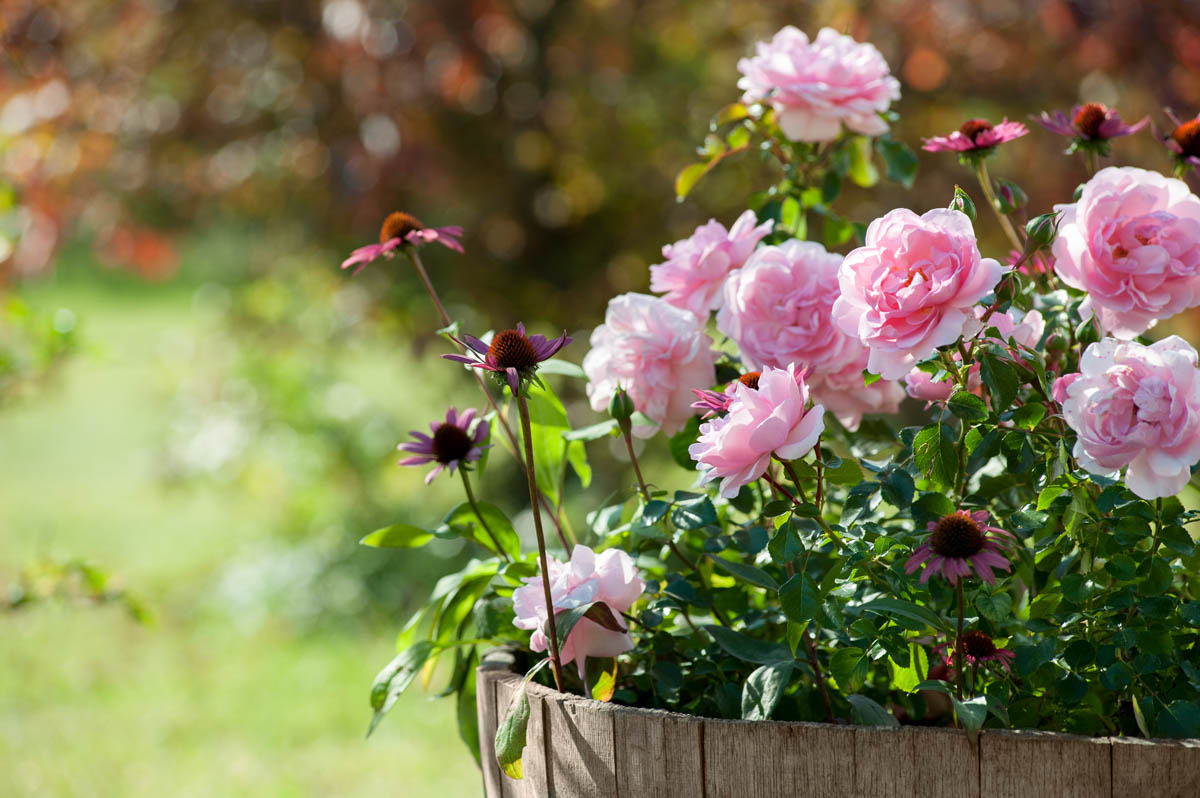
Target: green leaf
(563,367)
(995,606)
(898,488)
(866,712)
(967,406)
(907,678)
(548,423)
(593,432)
(396,676)
(848,472)
(462,520)
(734,112)
(510,736)
(836,231)
(862,169)
(687,179)
(1029,416)
(680,441)
(595,611)
(971,713)
(398,536)
(791,217)
(899,161)
(800,599)
(763,689)
(749,649)
(1001,381)
(905,609)
(747,573)
(849,668)
(936,454)
(692,511)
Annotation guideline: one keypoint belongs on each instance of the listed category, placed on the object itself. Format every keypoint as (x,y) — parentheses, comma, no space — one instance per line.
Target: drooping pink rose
(912,288)
(769,420)
(609,576)
(844,393)
(657,352)
(1132,242)
(816,87)
(778,308)
(696,267)
(1137,406)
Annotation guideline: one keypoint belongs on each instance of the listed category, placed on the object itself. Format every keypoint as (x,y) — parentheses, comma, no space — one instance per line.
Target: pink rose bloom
(1136,406)
(657,352)
(609,576)
(778,308)
(696,267)
(844,393)
(770,420)
(913,287)
(816,87)
(1132,242)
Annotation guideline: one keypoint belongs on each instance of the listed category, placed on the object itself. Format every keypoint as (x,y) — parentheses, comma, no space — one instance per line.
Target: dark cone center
(973,127)
(1187,136)
(978,645)
(1089,118)
(398,225)
(451,443)
(750,379)
(957,537)
(512,349)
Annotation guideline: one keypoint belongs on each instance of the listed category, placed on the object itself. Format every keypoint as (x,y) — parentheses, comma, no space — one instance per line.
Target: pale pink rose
(1137,406)
(1132,242)
(609,576)
(770,420)
(816,87)
(657,352)
(844,393)
(696,267)
(913,287)
(778,309)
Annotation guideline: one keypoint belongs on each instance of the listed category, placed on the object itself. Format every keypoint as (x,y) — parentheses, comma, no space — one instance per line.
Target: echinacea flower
(512,354)
(958,542)
(401,229)
(455,442)
(977,649)
(1090,125)
(1184,143)
(976,138)
(713,403)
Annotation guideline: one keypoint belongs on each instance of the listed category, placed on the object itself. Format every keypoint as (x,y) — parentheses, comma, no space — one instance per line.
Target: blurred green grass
(92,703)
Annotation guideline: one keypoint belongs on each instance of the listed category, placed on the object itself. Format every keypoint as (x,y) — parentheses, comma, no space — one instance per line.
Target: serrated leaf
(867,712)
(800,599)
(936,454)
(849,667)
(995,606)
(971,714)
(763,689)
(749,649)
(1001,381)
(967,406)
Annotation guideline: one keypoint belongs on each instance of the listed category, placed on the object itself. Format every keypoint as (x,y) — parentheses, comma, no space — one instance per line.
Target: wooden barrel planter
(579,748)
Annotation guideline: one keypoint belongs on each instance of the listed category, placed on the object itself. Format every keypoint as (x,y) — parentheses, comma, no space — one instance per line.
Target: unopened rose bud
(962,203)
(1056,343)
(1042,230)
(1010,196)
(621,407)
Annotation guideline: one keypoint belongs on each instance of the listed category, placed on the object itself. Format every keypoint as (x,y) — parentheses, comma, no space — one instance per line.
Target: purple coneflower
(1184,143)
(1090,124)
(957,543)
(398,230)
(511,353)
(453,443)
(716,402)
(977,137)
(977,648)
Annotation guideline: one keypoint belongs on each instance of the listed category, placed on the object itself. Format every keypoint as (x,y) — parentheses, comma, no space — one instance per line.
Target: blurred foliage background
(198,411)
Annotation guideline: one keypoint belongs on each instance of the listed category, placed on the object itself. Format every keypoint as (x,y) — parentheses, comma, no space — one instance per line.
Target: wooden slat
(533,759)
(777,760)
(658,754)
(1161,768)
(582,758)
(883,766)
(1036,764)
(485,698)
(944,762)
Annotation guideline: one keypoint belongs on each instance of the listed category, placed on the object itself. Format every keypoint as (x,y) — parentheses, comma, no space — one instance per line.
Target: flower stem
(482,521)
(627,434)
(1089,156)
(811,645)
(985,182)
(958,651)
(551,626)
(830,531)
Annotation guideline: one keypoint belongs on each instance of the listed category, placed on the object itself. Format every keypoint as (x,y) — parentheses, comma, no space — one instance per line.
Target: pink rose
(655,351)
(778,308)
(844,393)
(696,267)
(913,287)
(1136,406)
(770,420)
(609,576)
(1132,242)
(816,87)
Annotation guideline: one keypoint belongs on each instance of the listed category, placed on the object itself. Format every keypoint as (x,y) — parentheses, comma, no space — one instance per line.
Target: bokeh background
(198,410)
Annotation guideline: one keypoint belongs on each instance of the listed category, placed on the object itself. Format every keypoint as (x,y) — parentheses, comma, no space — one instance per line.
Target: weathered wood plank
(944,762)
(777,760)
(883,766)
(1162,768)
(533,759)
(485,705)
(658,754)
(582,757)
(1036,764)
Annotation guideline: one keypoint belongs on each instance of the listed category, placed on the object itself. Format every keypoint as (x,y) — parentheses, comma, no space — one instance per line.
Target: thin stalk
(985,182)
(830,531)
(482,521)
(811,645)
(551,626)
(1089,156)
(958,652)
(627,434)
(820,477)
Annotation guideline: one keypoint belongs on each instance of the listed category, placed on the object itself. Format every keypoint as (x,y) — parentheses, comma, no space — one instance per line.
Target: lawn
(198,702)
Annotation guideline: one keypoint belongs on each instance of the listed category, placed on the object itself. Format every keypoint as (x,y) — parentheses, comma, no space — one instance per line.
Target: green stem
(985,182)
(628,436)
(482,521)
(1089,156)
(531,478)
(811,645)
(958,652)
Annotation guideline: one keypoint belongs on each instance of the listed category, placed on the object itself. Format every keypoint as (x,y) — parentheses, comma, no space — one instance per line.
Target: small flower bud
(1010,196)
(962,203)
(1042,230)
(621,406)
(1056,343)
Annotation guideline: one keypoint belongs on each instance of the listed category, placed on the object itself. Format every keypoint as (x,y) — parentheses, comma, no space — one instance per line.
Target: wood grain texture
(658,754)
(1163,768)
(1035,764)
(777,760)
(485,704)
(883,766)
(944,762)
(535,783)
(582,757)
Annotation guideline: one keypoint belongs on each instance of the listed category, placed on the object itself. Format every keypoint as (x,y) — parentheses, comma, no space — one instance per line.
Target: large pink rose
(844,393)
(913,287)
(1132,242)
(609,576)
(696,267)
(816,87)
(1136,406)
(655,351)
(769,420)
(779,309)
